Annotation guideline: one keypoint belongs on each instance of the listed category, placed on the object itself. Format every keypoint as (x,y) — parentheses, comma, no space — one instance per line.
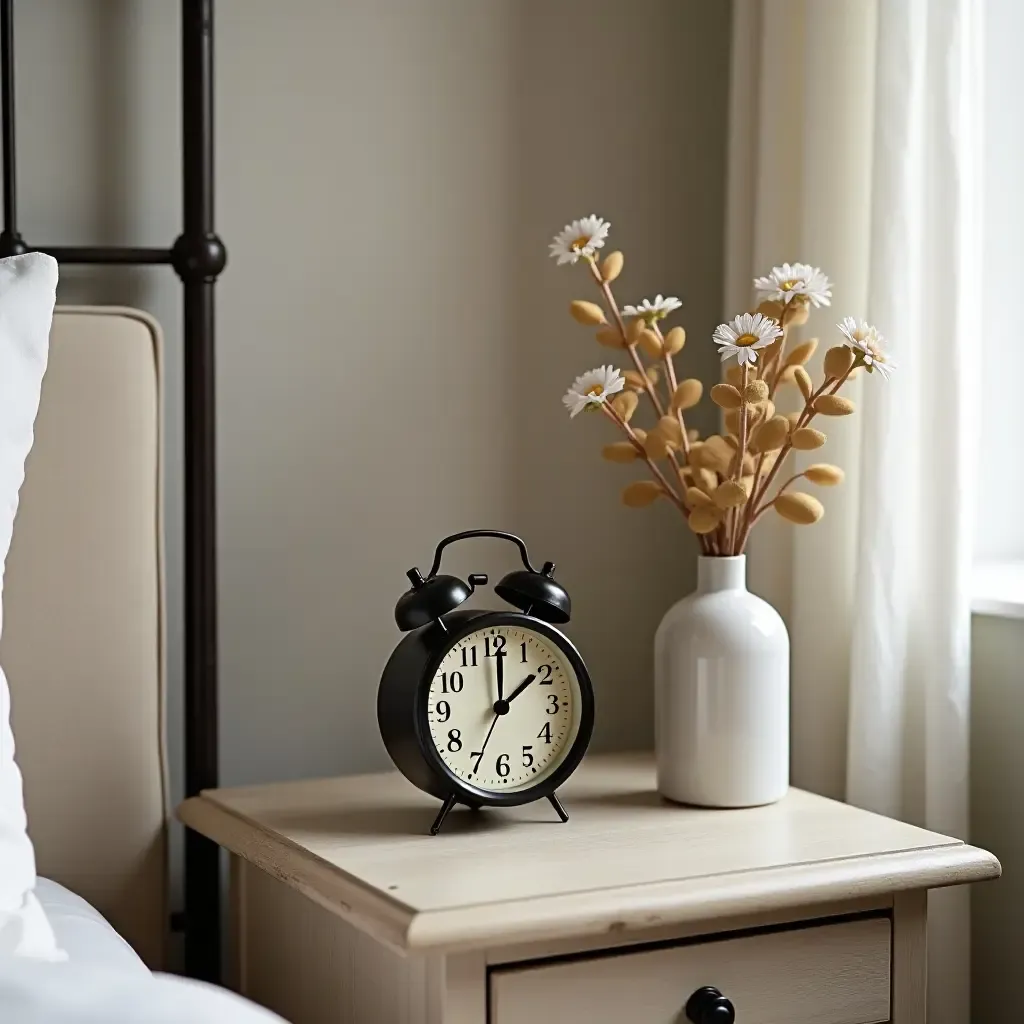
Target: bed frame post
(198,257)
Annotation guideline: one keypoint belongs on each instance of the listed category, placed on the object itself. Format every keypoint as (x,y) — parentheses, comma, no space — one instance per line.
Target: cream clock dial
(503,708)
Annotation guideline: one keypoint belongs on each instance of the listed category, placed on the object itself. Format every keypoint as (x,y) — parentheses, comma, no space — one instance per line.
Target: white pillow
(28,286)
(40,993)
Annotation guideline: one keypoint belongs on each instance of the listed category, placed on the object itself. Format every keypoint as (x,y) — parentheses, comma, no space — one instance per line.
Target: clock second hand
(500,708)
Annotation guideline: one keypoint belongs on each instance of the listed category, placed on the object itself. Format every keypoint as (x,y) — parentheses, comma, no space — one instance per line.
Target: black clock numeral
(523,646)
(469,657)
(544,674)
(493,646)
(545,733)
(477,754)
(528,753)
(453,680)
(454,740)
(501,765)
(553,710)
(443,711)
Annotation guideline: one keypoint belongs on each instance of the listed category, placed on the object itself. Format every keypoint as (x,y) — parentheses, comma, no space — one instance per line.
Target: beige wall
(394,339)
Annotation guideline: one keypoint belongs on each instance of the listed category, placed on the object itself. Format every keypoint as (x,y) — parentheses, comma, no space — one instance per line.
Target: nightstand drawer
(828,974)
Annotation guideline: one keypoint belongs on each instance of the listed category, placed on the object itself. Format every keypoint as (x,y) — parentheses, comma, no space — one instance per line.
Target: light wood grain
(625,862)
(836,974)
(910,958)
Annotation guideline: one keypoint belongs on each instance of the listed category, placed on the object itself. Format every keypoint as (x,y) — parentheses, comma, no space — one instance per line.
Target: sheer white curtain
(854,139)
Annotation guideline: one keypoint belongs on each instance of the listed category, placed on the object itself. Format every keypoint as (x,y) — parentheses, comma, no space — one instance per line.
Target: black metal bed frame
(197,257)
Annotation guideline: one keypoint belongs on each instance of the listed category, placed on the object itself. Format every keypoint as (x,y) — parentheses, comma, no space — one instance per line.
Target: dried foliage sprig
(721,483)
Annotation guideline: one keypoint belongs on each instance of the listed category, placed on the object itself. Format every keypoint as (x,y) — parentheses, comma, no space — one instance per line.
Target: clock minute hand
(501,674)
(522,686)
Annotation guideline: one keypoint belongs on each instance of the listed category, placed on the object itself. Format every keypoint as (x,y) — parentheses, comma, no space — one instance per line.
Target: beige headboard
(83,633)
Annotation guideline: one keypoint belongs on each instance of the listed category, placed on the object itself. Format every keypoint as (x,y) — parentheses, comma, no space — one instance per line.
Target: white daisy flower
(791,280)
(580,238)
(867,342)
(656,310)
(744,335)
(593,388)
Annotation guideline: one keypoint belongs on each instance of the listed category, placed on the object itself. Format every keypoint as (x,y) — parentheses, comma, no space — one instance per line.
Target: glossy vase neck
(721,573)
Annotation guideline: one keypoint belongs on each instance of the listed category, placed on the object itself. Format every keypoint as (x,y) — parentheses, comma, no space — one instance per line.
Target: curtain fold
(854,141)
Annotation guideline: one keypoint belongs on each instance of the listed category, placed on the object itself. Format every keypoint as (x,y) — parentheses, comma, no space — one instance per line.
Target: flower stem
(734,513)
(757,494)
(606,290)
(670,371)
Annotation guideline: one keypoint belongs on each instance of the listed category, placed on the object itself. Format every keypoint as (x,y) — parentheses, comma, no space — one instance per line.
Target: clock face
(504,708)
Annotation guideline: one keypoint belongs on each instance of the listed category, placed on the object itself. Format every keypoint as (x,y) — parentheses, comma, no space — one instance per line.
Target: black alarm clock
(485,708)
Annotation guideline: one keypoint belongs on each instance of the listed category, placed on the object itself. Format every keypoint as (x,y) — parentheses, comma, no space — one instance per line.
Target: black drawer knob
(708,1006)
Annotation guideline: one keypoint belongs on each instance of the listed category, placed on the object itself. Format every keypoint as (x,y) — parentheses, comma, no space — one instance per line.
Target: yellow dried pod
(720,450)
(768,408)
(654,374)
(770,435)
(687,394)
(706,479)
(611,266)
(634,380)
(787,375)
(732,441)
(734,375)
(747,482)
(609,337)
(656,445)
(824,474)
(799,311)
(732,421)
(588,313)
(641,493)
(696,498)
(693,435)
(625,404)
(704,519)
(639,433)
(674,341)
(634,328)
(620,451)
(794,417)
(799,508)
(756,391)
(806,439)
(730,494)
(803,381)
(650,343)
(838,359)
(748,465)
(771,308)
(670,429)
(699,458)
(802,353)
(833,405)
(725,396)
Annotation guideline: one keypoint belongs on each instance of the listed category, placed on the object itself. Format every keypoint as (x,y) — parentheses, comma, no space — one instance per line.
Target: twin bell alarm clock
(485,708)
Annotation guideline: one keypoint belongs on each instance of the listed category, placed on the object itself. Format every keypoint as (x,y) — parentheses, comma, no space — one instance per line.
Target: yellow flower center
(595,389)
(788,286)
(580,243)
(746,340)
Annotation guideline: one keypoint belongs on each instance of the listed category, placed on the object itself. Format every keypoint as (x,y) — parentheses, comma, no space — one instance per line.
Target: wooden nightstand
(807,912)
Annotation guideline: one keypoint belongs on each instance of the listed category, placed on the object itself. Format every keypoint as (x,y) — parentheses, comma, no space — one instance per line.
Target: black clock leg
(559,809)
(449,803)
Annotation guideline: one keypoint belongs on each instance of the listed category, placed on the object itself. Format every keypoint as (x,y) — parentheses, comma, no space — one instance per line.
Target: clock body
(493,708)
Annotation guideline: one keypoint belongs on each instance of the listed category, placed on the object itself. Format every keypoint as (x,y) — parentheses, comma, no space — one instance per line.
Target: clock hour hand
(522,686)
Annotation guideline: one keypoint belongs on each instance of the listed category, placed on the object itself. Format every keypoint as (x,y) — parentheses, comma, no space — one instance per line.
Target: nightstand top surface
(359,845)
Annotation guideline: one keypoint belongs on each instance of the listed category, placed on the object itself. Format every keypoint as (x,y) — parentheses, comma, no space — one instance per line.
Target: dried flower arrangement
(720,483)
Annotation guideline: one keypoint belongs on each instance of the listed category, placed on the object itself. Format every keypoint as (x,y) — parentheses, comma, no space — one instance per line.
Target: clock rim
(546,786)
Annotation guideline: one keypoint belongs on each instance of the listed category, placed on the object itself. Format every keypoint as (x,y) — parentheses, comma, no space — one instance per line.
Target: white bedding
(103,980)
(83,933)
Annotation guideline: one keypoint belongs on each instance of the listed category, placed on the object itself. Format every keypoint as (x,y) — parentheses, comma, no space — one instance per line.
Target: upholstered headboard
(83,632)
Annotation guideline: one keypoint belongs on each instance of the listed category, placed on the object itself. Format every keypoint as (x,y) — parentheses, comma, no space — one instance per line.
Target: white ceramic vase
(722,693)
